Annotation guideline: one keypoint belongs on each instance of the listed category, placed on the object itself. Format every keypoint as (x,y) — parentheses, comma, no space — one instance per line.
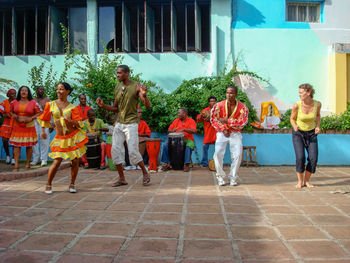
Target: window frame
(307,4)
(144,11)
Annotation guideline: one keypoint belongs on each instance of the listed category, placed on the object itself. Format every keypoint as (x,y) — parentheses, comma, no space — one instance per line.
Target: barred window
(154,26)
(34,29)
(303,12)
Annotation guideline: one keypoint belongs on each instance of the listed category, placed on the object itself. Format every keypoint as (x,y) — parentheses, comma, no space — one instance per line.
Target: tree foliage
(193,95)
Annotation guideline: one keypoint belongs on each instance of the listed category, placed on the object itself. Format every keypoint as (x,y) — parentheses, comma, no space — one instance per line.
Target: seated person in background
(188,127)
(144,131)
(93,124)
(270,116)
(209,130)
(82,107)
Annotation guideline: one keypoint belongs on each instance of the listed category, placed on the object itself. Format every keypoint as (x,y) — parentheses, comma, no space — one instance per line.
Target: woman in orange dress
(69,142)
(6,128)
(24,110)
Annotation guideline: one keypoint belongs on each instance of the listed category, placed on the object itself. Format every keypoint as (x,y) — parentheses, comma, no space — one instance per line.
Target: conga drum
(176,150)
(142,145)
(153,149)
(111,165)
(93,152)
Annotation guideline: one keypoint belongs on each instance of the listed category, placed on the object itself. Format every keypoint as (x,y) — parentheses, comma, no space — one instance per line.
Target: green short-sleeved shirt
(99,124)
(127,103)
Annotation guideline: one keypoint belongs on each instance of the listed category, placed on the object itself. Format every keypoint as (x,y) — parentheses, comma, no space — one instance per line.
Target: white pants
(235,141)
(44,145)
(128,133)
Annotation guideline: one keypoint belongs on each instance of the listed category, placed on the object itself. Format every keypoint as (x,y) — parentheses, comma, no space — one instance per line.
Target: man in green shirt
(93,124)
(127,95)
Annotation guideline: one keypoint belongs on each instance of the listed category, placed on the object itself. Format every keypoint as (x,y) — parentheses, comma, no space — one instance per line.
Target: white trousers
(42,153)
(128,133)
(235,144)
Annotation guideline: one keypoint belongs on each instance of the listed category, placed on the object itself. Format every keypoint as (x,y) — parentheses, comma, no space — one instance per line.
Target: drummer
(93,124)
(187,126)
(209,130)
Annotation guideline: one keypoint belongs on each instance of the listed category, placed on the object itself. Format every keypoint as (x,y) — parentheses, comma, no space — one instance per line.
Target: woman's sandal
(146,180)
(48,189)
(72,188)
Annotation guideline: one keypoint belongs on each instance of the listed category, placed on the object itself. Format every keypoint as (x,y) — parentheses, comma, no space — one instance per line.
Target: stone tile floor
(180,217)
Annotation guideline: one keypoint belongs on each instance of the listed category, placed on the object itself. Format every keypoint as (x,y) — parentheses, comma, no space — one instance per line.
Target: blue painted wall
(264,14)
(272,149)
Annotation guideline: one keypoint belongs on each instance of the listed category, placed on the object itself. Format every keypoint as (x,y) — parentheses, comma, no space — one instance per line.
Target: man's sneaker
(138,167)
(8,159)
(221,182)
(128,168)
(13,162)
(43,163)
(233,183)
(33,163)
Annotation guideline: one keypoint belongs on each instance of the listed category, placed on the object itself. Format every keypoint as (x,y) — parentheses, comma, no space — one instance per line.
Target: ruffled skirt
(6,128)
(69,146)
(23,135)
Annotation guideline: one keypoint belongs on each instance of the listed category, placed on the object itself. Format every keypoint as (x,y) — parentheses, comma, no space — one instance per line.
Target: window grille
(303,12)
(155,26)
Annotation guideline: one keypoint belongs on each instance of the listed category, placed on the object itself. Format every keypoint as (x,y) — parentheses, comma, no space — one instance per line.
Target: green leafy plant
(285,120)
(337,122)
(193,95)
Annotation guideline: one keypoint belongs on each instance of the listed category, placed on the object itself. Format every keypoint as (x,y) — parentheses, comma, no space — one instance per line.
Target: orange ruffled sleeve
(45,118)
(77,117)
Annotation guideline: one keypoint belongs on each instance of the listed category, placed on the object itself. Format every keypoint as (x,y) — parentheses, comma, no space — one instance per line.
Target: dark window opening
(1,32)
(19,25)
(41,31)
(205,25)
(30,32)
(166,28)
(106,32)
(155,26)
(190,34)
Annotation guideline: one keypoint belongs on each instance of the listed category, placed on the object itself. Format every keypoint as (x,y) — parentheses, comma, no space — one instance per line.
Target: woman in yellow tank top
(305,120)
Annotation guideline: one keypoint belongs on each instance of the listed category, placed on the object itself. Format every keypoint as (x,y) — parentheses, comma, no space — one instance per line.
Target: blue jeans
(165,154)
(305,140)
(204,161)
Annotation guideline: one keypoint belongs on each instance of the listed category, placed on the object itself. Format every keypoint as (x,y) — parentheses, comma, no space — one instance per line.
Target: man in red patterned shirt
(209,131)
(228,117)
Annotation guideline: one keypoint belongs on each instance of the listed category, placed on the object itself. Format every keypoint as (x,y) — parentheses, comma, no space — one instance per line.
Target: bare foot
(15,170)
(308,185)
(299,185)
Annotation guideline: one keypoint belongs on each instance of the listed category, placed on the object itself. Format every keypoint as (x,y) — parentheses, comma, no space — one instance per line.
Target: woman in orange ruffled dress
(6,127)
(69,142)
(24,110)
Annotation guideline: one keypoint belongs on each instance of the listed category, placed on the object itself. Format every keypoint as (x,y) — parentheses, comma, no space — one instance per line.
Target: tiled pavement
(178,218)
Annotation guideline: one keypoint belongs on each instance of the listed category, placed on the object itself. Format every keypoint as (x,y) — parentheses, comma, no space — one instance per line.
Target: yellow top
(306,122)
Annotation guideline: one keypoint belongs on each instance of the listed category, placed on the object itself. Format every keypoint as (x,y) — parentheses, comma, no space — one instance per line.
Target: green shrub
(285,120)
(337,122)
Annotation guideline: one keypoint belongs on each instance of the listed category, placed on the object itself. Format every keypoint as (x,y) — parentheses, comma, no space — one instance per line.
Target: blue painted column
(92,27)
